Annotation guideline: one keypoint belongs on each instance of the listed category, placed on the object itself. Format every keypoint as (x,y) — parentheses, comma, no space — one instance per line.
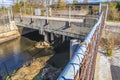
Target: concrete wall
(113,27)
(8,32)
(8,27)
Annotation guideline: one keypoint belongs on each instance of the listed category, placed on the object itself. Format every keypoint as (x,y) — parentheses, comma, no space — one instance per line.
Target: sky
(11,2)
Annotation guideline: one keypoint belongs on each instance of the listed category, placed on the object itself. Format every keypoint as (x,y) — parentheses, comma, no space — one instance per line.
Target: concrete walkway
(102,68)
(115,64)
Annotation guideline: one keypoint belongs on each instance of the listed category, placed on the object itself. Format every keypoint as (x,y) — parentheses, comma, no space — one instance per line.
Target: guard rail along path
(82,64)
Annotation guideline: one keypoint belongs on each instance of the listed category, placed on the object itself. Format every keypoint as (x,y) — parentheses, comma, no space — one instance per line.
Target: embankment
(8,32)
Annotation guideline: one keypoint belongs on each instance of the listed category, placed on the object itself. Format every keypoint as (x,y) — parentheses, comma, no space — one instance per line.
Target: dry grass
(107,44)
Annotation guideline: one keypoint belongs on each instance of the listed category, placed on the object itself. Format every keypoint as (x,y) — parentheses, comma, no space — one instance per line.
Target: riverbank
(9,36)
(30,71)
(8,32)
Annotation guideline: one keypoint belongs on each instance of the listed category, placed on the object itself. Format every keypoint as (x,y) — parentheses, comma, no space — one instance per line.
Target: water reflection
(13,54)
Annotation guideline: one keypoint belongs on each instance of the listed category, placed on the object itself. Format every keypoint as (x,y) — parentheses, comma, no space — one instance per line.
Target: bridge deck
(77,30)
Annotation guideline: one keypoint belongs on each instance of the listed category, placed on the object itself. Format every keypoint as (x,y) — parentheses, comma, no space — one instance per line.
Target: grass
(113,20)
(107,44)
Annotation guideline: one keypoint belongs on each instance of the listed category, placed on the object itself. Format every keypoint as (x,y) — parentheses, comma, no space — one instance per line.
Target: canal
(16,53)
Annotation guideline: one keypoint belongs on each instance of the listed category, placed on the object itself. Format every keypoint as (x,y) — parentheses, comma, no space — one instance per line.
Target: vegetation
(114,11)
(61,5)
(26,8)
(75,1)
(107,44)
(4,8)
(9,77)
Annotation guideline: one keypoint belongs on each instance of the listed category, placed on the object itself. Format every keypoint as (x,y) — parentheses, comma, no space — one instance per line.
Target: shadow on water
(31,34)
(61,58)
(55,64)
(115,72)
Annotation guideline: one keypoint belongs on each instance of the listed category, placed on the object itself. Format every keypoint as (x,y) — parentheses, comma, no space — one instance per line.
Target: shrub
(107,43)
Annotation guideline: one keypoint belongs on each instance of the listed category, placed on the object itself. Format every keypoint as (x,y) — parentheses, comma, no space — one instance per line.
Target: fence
(82,64)
(52,11)
(6,18)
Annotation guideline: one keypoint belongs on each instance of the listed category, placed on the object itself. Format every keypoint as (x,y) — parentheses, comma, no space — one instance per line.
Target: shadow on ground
(115,72)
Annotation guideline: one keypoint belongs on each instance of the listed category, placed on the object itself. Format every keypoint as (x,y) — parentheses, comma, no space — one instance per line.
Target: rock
(42,45)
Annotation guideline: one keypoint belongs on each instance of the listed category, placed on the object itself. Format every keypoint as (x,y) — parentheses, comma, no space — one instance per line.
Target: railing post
(100,8)
(106,12)
(69,16)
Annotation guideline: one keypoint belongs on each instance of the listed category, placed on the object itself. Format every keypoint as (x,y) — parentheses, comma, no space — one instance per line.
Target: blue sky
(10,2)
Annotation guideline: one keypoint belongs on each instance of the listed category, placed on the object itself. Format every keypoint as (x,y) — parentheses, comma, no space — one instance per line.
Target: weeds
(107,44)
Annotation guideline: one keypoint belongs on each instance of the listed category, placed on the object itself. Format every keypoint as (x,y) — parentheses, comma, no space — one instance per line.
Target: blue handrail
(75,63)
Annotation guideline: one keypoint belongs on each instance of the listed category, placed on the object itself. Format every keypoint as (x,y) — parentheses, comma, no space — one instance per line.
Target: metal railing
(82,64)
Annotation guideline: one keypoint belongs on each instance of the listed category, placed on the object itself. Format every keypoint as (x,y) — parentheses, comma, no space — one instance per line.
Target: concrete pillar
(63,38)
(50,12)
(69,16)
(41,31)
(67,38)
(90,10)
(106,13)
(99,8)
(52,37)
(66,24)
(46,37)
(84,22)
(73,45)
(9,15)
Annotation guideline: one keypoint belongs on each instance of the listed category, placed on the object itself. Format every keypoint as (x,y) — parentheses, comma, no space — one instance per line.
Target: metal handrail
(75,63)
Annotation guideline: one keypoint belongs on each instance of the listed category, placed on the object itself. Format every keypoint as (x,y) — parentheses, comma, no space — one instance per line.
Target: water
(13,54)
